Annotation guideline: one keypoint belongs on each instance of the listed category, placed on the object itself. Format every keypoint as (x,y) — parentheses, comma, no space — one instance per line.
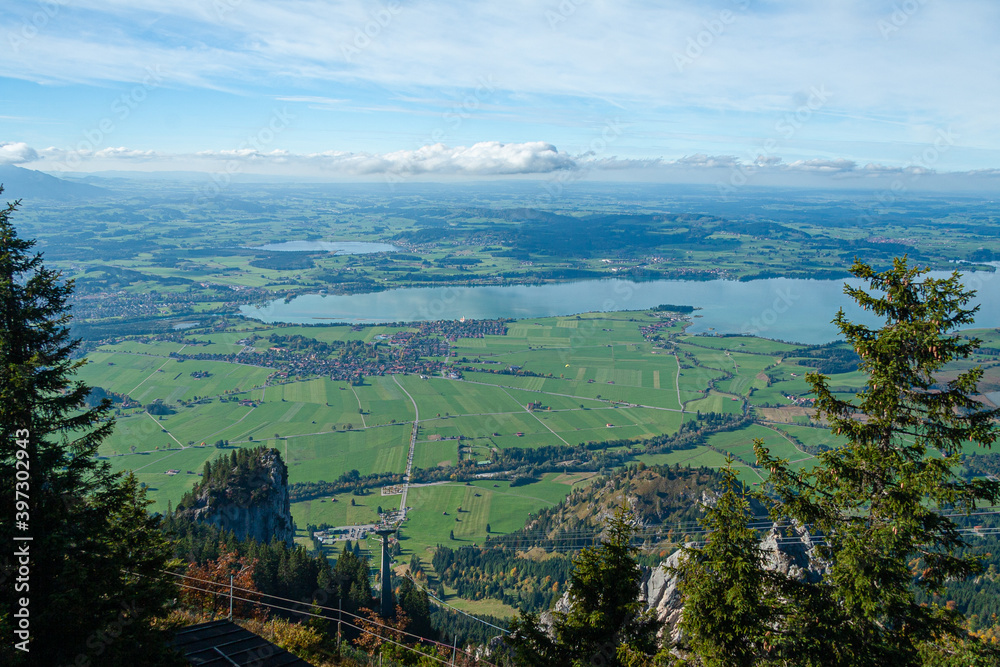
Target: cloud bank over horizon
(493,160)
(353,87)
(488,158)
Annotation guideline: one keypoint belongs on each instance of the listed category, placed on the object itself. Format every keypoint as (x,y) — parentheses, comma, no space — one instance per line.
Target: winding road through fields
(409,455)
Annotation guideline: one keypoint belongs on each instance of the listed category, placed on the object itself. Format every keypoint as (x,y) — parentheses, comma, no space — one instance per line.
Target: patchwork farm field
(559,382)
(483,503)
(182,411)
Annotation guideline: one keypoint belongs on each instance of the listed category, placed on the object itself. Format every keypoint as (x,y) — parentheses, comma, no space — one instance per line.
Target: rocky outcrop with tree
(245,492)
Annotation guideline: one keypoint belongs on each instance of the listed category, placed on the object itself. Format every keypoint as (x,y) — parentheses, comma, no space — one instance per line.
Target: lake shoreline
(799,309)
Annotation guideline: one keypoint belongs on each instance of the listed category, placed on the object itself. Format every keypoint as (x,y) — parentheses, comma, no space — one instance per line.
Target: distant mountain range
(28,184)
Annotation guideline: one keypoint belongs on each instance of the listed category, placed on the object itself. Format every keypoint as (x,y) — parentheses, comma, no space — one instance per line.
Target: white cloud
(316,102)
(615,163)
(619,51)
(708,161)
(556,64)
(484,158)
(839,165)
(768,161)
(122,153)
(874,168)
(487,158)
(16,153)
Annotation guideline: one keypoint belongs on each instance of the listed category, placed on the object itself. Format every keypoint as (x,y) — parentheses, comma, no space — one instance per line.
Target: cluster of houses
(408,351)
(452,330)
(801,400)
(343,368)
(652,331)
(104,304)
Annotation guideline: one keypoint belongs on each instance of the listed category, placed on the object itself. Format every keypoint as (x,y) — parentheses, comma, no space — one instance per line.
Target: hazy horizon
(725,93)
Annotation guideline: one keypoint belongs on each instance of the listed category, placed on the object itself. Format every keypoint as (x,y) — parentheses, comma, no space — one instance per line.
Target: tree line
(87,581)
(885,508)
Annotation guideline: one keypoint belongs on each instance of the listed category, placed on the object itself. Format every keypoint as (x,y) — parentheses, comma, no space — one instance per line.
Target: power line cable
(456,608)
(683,528)
(309,604)
(350,625)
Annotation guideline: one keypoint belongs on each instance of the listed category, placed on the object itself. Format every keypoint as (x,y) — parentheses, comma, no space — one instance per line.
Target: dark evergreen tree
(606,623)
(93,578)
(885,501)
(730,600)
(417,607)
(351,582)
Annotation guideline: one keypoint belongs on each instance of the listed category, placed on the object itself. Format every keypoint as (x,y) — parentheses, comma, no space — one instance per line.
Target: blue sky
(838,91)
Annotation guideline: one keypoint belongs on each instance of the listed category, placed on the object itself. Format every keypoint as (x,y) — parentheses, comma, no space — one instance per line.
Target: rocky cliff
(786,550)
(245,492)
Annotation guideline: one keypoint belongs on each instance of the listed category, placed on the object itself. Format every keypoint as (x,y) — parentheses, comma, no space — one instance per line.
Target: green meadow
(812,436)
(436,514)
(548,381)
(739,443)
(340,510)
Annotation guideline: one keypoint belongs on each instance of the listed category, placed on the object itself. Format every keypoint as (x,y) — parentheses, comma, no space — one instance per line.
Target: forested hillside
(528,569)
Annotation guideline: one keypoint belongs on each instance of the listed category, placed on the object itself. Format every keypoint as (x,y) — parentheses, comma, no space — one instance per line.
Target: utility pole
(387,609)
(231,590)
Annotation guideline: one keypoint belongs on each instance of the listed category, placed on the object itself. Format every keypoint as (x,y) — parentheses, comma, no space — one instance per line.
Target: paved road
(553,393)
(534,415)
(677,382)
(409,456)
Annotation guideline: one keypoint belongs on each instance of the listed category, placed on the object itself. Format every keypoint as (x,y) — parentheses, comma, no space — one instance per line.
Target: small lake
(336,247)
(789,309)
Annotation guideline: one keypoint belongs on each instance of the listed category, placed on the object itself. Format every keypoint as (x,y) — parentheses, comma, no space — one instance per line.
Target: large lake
(336,247)
(783,308)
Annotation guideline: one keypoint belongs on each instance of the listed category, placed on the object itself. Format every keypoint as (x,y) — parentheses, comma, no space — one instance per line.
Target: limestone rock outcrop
(249,497)
(787,549)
